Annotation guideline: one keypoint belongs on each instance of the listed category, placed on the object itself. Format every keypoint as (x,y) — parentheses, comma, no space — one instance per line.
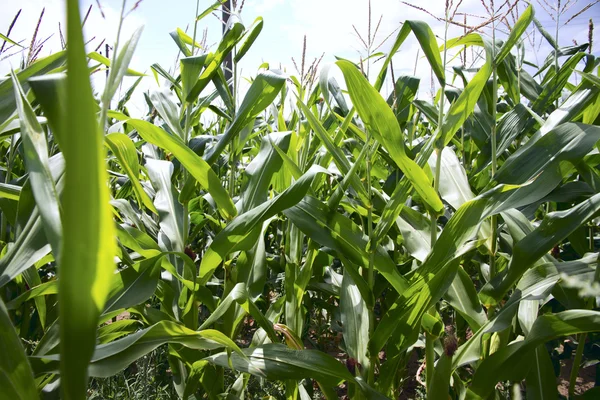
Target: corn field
(305,238)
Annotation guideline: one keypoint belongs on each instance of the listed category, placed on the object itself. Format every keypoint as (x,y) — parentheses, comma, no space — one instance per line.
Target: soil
(585,379)
(410,384)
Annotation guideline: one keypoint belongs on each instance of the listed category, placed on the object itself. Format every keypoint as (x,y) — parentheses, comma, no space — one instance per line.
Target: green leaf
(262,168)
(440,383)
(16,376)
(190,68)
(195,377)
(554,228)
(49,90)
(567,142)
(125,151)
(86,264)
(553,89)
(117,329)
(541,381)
(36,159)
(40,67)
(250,36)
(170,211)
(8,191)
(452,243)
(252,264)
(432,324)
(111,358)
(230,39)
(463,298)
(30,246)
(428,44)
(240,233)
(276,361)
(545,33)
(106,62)
(260,95)
(515,34)
(224,90)
(197,167)
(355,322)
(454,119)
(463,107)
(436,273)
(165,103)
(336,152)
(405,91)
(133,285)
(454,185)
(416,232)
(210,9)
(400,38)
(240,295)
(334,230)
(138,241)
(128,93)
(9,40)
(44,289)
(403,320)
(380,121)
(180,42)
(498,368)
(537,283)
(187,39)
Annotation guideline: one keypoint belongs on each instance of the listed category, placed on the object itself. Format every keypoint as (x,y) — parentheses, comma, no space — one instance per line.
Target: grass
(148,378)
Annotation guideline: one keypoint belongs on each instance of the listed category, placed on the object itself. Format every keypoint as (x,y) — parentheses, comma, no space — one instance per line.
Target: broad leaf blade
(16,376)
(89,246)
(381,122)
(197,167)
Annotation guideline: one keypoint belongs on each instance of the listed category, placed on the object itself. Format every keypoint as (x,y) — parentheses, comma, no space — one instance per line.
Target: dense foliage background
(304,238)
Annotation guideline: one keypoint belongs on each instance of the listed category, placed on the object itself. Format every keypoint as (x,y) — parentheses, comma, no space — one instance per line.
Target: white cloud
(25,25)
(264,5)
(96,28)
(328,25)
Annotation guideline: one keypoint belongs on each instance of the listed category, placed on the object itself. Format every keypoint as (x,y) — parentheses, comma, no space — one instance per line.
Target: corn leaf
(547,327)
(197,167)
(125,151)
(262,92)
(380,121)
(111,358)
(240,234)
(86,264)
(16,376)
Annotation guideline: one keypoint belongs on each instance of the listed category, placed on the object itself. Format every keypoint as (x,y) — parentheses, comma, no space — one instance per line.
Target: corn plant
(324,235)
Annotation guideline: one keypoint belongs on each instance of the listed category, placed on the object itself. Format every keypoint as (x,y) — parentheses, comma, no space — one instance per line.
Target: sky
(329,26)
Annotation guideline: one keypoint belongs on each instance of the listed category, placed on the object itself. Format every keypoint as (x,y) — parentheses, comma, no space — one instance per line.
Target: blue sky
(328,25)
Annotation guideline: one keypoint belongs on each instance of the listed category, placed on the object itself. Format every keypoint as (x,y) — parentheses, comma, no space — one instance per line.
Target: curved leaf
(42,181)
(499,366)
(197,167)
(16,376)
(355,322)
(86,264)
(108,359)
(125,151)
(251,36)
(276,361)
(240,234)
(333,230)
(265,87)
(381,122)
